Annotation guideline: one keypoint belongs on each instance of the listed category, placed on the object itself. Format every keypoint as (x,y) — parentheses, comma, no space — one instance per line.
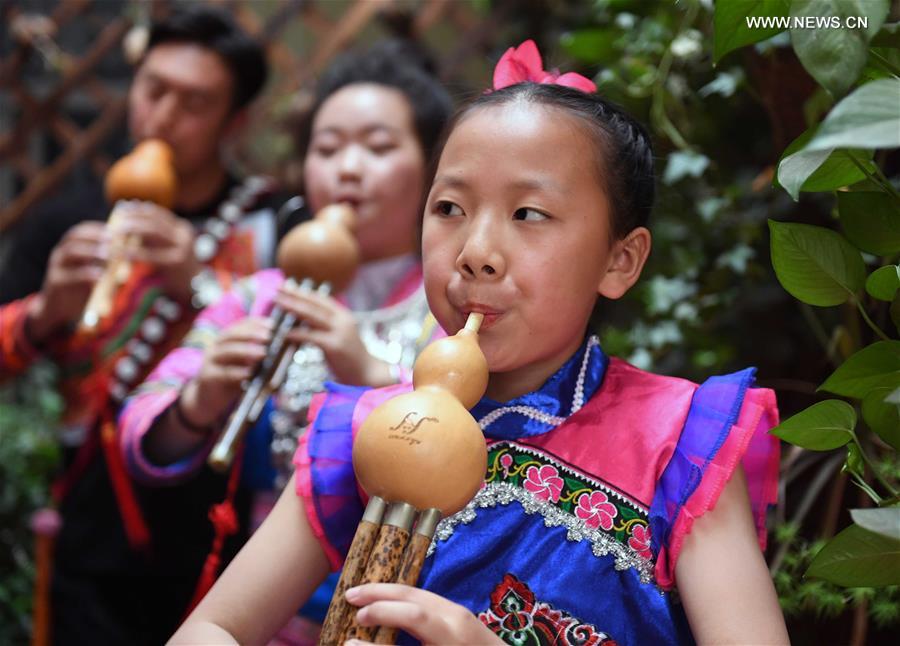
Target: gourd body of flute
(322,249)
(147,174)
(424,448)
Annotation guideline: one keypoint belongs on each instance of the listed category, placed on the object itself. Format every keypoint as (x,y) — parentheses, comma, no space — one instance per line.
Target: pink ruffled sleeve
(728,425)
(324,477)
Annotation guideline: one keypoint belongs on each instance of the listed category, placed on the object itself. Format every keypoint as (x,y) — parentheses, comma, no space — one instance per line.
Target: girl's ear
(627,258)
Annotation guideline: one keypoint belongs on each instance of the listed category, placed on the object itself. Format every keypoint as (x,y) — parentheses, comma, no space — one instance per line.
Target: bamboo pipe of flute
(268,378)
(384,561)
(118,267)
(413,560)
(354,566)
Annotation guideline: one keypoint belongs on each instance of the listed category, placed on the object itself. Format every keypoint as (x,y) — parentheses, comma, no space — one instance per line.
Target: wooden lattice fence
(64,79)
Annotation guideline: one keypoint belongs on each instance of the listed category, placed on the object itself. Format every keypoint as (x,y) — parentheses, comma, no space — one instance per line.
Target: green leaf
(838,171)
(732,29)
(882,416)
(875,366)
(794,170)
(867,118)
(871,220)
(821,427)
(884,282)
(819,170)
(858,557)
(834,54)
(815,265)
(884,521)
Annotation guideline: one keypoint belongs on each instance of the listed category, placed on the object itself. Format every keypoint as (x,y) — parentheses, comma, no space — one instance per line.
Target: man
(127,558)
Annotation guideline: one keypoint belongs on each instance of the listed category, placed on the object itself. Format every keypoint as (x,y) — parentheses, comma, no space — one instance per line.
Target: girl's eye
(324,150)
(382,147)
(529,215)
(447,208)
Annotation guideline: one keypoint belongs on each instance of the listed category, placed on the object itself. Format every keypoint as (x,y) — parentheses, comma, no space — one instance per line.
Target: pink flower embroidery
(596,510)
(544,483)
(640,540)
(523,63)
(506,462)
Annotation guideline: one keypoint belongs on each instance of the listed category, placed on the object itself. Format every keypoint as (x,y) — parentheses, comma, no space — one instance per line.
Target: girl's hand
(229,361)
(426,616)
(332,327)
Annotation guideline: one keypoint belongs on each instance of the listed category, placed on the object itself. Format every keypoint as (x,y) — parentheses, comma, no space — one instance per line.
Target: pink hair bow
(523,63)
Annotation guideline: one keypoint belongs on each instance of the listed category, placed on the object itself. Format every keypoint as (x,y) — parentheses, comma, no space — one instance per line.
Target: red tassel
(135,525)
(225,523)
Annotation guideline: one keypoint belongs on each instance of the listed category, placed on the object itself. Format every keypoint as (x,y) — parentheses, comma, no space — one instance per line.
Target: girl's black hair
(216,30)
(397,64)
(624,151)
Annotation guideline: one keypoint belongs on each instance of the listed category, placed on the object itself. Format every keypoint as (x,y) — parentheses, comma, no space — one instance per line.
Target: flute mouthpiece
(473,323)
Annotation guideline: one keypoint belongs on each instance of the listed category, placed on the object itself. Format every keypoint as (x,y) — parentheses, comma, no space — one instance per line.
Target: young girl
(606,486)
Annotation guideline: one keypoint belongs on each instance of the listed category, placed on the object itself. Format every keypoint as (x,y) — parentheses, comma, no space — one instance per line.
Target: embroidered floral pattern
(518,618)
(544,482)
(595,510)
(594,503)
(640,540)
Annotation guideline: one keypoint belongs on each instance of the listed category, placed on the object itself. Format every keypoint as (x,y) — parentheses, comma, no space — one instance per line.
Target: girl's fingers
(428,617)
(237,353)
(253,329)
(370,592)
(307,306)
(394,614)
(312,296)
(300,335)
(229,375)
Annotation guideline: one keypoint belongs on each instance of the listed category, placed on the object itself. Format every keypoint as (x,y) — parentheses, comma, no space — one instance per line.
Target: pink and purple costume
(593,482)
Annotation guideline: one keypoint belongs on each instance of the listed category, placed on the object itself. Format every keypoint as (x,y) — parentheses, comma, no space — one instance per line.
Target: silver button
(153,330)
(218,228)
(127,369)
(167,308)
(205,247)
(230,212)
(141,352)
